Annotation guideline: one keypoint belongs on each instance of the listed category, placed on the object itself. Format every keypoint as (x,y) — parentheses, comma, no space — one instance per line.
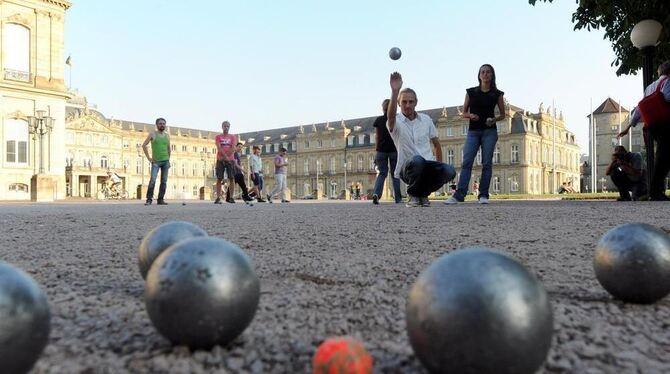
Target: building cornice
(61,3)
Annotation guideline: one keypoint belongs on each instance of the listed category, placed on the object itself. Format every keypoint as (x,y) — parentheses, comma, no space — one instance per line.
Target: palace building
(535,153)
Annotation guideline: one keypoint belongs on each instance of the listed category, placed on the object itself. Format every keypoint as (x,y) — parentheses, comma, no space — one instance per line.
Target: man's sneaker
(230,200)
(269,198)
(148,202)
(413,202)
(451,201)
(285,201)
(375,199)
(424,201)
(161,202)
(260,200)
(218,201)
(483,200)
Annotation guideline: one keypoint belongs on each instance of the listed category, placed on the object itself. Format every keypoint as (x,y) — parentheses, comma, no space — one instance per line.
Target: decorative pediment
(19,18)
(17,115)
(88,123)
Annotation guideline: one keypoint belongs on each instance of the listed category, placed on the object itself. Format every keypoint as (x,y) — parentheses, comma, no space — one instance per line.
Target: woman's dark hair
(493,73)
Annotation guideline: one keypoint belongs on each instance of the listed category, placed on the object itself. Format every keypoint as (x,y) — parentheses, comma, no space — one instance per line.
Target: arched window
(16,141)
(17,52)
(103,162)
(18,187)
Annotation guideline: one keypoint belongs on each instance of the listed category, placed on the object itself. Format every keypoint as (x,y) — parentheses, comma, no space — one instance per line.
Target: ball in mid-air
(395,53)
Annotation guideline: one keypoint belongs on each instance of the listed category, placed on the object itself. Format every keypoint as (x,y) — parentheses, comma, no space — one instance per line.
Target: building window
(350,140)
(18,187)
(450,131)
(194,169)
(496,155)
(450,156)
(615,141)
(349,163)
(17,52)
(305,167)
(195,190)
(183,169)
(184,148)
(16,135)
(372,139)
(276,147)
(88,140)
(332,165)
(333,142)
(267,148)
(359,163)
(138,166)
(515,153)
(615,128)
(496,184)
(514,184)
(103,162)
(104,140)
(319,143)
(371,162)
(173,147)
(306,144)
(464,130)
(361,139)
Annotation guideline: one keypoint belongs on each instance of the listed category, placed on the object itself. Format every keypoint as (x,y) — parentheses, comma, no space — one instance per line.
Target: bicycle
(106,193)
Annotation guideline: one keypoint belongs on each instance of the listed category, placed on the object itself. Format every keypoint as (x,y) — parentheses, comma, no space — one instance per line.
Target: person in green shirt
(159,158)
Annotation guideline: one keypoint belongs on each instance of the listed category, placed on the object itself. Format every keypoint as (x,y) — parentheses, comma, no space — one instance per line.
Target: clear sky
(269,64)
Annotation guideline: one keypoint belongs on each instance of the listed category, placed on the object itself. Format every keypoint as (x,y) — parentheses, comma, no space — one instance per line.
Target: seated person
(563,188)
(569,188)
(628,174)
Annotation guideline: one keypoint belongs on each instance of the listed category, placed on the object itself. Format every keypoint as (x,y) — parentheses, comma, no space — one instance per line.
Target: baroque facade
(32,87)
(535,153)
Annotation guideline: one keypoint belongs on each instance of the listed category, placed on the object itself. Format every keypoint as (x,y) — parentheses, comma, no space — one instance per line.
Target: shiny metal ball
(202,292)
(25,320)
(478,311)
(160,238)
(632,262)
(395,53)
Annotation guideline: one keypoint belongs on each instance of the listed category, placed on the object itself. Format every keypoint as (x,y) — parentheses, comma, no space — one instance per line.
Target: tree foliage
(617,18)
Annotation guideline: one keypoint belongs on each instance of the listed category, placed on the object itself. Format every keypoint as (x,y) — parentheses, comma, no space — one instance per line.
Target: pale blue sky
(269,64)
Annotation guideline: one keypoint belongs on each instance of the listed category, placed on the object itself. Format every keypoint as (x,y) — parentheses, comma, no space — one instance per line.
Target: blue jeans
(155,166)
(383,159)
(424,177)
(486,139)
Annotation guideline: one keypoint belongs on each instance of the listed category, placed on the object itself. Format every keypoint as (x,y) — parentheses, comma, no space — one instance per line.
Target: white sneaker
(451,201)
(483,200)
(413,202)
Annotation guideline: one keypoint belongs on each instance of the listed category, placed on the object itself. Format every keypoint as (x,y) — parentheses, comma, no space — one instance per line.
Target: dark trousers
(661,135)
(239,179)
(626,186)
(424,177)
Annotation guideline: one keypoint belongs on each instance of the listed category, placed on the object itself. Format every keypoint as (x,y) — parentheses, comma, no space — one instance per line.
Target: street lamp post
(139,154)
(316,194)
(41,125)
(645,38)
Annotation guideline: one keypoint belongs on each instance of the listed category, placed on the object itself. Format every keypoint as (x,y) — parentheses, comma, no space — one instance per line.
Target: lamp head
(645,33)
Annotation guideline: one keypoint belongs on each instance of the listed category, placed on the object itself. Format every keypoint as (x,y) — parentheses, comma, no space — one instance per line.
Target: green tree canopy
(617,18)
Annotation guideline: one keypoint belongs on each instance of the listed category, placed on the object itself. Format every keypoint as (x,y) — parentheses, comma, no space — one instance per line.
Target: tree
(617,18)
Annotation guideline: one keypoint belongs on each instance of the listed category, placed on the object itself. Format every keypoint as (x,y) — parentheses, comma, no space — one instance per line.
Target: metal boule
(478,311)
(202,292)
(632,262)
(160,238)
(25,320)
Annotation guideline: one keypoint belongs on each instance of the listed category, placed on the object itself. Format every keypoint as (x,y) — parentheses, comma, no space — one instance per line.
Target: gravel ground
(326,269)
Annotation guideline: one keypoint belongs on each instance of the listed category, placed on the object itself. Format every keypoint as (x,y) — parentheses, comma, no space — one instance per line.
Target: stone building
(32,99)
(610,118)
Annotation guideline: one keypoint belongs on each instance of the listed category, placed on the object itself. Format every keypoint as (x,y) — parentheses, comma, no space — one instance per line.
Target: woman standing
(479,108)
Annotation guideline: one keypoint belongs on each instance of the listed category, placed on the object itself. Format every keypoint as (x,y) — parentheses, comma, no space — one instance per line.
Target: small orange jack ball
(342,355)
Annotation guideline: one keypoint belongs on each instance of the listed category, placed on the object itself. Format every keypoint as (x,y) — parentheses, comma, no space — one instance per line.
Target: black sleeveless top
(482,104)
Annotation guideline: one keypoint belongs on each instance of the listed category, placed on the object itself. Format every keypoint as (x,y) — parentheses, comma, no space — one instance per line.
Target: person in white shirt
(413,134)
(114,180)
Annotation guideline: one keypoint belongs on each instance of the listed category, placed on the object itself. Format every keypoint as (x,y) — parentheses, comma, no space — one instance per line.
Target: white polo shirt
(412,137)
